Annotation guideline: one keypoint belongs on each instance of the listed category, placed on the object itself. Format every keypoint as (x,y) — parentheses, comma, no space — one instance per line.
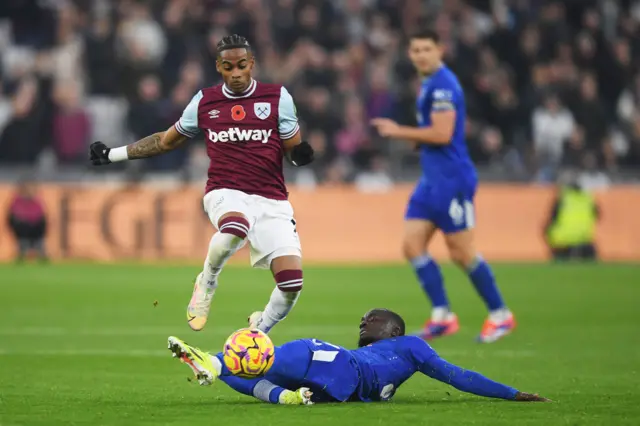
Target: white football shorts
(272,231)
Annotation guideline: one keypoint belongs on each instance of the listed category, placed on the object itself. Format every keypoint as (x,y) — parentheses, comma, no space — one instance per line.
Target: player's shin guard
(283,298)
(485,283)
(231,237)
(430,277)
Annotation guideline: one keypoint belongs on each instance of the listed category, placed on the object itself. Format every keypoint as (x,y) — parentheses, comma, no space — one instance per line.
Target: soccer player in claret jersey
(307,371)
(248,126)
(443,198)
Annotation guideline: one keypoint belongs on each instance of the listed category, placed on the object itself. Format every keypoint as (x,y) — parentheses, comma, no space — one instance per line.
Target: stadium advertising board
(337,225)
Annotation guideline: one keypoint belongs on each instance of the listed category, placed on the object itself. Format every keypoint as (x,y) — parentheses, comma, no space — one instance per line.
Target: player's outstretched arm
(439,133)
(155,144)
(430,363)
(472,382)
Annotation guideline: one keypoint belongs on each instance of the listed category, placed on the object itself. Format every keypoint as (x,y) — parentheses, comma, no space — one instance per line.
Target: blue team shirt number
(326,352)
(462,213)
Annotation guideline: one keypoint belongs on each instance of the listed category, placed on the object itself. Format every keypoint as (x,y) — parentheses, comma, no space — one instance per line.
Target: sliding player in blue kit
(444,197)
(310,371)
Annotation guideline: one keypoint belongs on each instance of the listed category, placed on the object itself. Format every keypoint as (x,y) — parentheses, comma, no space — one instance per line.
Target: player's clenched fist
(99,154)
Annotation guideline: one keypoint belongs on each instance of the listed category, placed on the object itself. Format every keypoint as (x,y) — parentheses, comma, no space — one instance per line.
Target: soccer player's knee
(462,256)
(232,234)
(289,280)
(237,226)
(412,249)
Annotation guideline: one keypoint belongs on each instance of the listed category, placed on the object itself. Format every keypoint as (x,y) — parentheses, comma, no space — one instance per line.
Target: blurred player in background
(249,126)
(443,198)
(307,371)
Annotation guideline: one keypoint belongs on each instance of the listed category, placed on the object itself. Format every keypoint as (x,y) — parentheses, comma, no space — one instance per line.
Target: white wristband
(118,154)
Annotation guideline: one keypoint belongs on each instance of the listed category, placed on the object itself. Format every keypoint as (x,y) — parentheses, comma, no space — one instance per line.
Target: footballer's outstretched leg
(205,367)
(500,321)
(287,271)
(233,229)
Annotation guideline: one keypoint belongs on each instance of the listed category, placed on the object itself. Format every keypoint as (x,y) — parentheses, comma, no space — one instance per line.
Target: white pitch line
(166,353)
(216,332)
(58,331)
(215,329)
(87,352)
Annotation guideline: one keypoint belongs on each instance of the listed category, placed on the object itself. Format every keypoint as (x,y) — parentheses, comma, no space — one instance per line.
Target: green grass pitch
(84,344)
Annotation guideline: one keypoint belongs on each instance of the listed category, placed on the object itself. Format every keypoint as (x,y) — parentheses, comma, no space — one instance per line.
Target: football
(248,353)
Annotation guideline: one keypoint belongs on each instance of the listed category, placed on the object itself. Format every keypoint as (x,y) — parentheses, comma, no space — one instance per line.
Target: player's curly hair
(234,41)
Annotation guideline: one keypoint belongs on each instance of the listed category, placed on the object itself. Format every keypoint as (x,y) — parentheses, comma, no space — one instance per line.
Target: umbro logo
(214,113)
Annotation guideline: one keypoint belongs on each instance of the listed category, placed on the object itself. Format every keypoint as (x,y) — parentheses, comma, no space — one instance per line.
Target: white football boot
(200,304)
(255,319)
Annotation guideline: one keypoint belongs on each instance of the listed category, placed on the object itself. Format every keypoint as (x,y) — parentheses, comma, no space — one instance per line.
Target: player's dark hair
(425,34)
(234,41)
(395,319)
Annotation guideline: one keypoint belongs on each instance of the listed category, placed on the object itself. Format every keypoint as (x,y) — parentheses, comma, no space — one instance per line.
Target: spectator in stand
(591,114)
(27,221)
(71,126)
(552,124)
(509,55)
(21,141)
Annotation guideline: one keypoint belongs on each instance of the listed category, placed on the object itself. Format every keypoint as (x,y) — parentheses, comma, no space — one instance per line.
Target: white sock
(499,315)
(217,365)
(221,247)
(440,313)
(279,306)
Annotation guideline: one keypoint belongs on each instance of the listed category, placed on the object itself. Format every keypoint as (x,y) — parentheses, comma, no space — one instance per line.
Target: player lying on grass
(308,371)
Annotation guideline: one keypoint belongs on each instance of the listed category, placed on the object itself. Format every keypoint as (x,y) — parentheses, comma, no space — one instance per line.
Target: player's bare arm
(298,152)
(439,133)
(292,142)
(156,144)
(149,146)
(425,52)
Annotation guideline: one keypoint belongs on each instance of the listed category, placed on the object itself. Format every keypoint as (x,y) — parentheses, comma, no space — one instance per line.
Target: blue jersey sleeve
(444,96)
(429,362)
(287,118)
(187,125)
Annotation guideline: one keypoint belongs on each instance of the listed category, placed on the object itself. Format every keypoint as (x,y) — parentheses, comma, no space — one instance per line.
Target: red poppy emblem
(238,113)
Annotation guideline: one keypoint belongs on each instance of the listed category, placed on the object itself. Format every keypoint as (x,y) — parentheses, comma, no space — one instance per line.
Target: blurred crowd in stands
(549,84)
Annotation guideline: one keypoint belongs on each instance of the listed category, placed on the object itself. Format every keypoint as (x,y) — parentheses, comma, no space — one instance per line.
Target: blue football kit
(370,373)
(445,192)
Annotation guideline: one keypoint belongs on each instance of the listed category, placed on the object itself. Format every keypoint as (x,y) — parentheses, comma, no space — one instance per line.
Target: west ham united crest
(262,110)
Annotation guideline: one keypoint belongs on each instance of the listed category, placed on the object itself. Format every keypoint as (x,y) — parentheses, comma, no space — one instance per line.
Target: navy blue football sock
(482,277)
(430,277)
